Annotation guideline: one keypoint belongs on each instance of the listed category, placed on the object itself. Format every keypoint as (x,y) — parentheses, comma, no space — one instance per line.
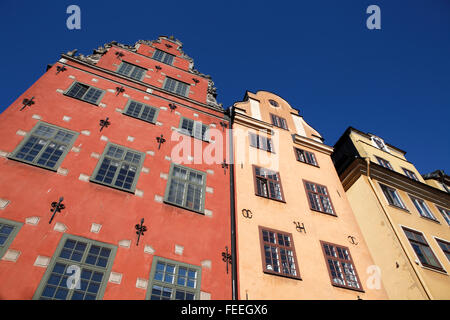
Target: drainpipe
(421,281)
(234,284)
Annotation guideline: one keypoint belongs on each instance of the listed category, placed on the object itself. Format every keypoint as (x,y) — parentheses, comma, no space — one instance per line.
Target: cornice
(313,144)
(393,179)
(253,123)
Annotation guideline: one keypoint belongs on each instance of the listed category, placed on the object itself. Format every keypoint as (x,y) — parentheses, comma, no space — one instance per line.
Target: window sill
(400,208)
(273,273)
(430,219)
(189,135)
(278,200)
(94,104)
(310,164)
(33,164)
(285,129)
(184,208)
(263,149)
(441,271)
(348,288)
(323,212)
(132,191)
(128,115)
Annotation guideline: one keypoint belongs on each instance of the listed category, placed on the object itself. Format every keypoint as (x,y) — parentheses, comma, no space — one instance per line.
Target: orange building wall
(315,283)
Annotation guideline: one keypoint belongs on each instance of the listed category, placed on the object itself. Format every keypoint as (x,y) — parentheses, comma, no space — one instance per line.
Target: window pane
(78,90)
(148,114)
(134,109)
(137,73)
(176,192)
(275,190)
(193,197)
(92,95)
(187,126)
(125,68)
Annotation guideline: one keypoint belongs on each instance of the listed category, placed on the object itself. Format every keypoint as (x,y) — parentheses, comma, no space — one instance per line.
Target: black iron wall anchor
(27,103)
(119,55)
(104,123)
(299,227)
(172,107)
(247,213)
(60,69)
(224,166)
(352,240)
(140,230)
(56,207)
(158,68)
(224,125)
(160,141)
(195,80)
(226,257)
(119,90)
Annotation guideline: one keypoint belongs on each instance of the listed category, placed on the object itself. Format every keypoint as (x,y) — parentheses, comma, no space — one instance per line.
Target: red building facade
(97,137)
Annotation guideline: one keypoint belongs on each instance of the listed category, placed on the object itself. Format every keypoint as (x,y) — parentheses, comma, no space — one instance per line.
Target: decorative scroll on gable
(211,95)
(99,52)
(94,58)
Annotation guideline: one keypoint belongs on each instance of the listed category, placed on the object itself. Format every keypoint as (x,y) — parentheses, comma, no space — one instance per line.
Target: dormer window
(379,143)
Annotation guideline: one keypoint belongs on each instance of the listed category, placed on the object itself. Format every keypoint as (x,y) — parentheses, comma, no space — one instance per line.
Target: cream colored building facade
(403,218)
(297,236)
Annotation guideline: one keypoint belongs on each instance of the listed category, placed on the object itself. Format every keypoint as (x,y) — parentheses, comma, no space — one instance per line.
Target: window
(422,208)
(319,199)
(445,214)
(410,174)
(194,129)
(176,86)
(119,167)
(273,103)
(445,246)
(164,57)
(305,156)
(260,142)
(279,122)
(268,184)
(8,231)
(173,280)
(141,111)
(91,259)
(278,253)
(340,266)
(422,249)
(384,163)
(84,92)
(45,146)
(131,71)
(186,188)
(392,197)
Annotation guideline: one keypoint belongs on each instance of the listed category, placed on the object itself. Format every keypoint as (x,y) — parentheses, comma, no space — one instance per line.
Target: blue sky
(318,55)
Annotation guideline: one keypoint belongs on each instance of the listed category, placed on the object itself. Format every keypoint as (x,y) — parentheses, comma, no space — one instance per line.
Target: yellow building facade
(297,236)
(404,219)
